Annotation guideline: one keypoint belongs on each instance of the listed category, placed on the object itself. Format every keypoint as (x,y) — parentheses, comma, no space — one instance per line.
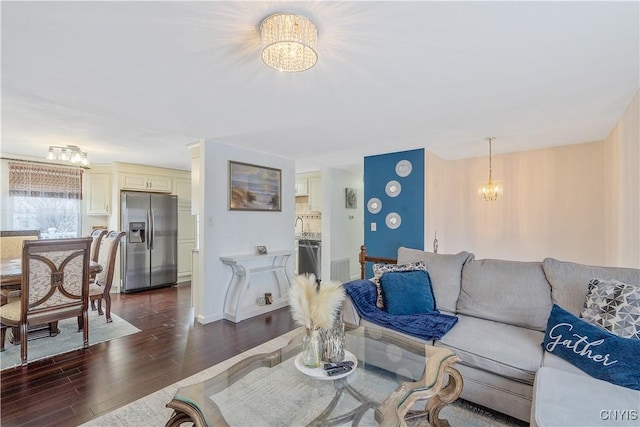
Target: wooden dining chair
(11,242)
(11,248)
(97,235)
(55,286)
(101,288)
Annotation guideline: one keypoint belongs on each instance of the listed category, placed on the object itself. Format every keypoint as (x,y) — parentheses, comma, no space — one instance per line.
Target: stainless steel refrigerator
(149,251)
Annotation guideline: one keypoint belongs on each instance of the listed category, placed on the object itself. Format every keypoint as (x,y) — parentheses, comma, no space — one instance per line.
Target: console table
(244,266)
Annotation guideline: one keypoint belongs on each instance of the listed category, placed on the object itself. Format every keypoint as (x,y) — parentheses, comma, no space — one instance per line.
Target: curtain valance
(41,180)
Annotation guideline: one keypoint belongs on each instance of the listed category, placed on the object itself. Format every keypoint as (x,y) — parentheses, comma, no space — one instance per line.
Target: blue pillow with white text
(594,350)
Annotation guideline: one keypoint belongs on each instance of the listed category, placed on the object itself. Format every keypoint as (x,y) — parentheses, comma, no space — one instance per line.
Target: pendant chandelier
(69,153)
(289,42)
(491,189)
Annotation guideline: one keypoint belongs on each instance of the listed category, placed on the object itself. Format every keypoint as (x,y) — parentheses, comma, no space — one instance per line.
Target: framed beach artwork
(254,188)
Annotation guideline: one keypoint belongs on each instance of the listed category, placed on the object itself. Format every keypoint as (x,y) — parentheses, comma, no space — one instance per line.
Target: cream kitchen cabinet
(315,195)
(301,187)
(132,181)
(182,188)
(99,194)
(186,241)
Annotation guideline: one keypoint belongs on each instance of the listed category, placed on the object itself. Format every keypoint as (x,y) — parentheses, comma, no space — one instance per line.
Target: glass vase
(333,340)
(312,349)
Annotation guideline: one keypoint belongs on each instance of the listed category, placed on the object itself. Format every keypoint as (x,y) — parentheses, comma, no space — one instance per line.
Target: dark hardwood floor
(73,388)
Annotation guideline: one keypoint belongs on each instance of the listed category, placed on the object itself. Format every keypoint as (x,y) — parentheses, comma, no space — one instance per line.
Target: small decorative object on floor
(333,340)
(314,305)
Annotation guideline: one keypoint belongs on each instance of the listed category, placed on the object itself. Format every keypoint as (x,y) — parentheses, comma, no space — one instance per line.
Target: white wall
(622,189)
(224,232)
(346,228)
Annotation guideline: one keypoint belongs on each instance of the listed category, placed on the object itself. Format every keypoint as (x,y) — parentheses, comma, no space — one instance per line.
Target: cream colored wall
(552,206)
(622,189)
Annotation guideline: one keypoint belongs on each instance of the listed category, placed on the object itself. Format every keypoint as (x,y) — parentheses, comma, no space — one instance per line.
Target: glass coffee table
(392,374)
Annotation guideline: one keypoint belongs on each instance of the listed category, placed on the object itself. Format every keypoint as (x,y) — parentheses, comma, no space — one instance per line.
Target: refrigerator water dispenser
(136,232)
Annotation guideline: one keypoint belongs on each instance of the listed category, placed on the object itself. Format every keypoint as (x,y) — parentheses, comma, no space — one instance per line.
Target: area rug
(68,339)
(151,410)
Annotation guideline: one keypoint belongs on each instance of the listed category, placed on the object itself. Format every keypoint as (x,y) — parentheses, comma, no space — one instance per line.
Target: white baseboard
(209,318)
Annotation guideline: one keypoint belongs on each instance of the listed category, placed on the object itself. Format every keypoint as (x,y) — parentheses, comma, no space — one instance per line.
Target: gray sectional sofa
(502,309)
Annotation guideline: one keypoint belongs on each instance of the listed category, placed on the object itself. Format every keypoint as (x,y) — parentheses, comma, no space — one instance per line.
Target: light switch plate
(373,226)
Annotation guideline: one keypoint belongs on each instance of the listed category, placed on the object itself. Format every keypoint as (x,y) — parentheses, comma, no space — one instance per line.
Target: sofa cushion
(569,399)
(596,351)
(445,271)
(512,292)
(569,281)
(380,269)
(550,360)
(614,306)
(407,292)
(505,350)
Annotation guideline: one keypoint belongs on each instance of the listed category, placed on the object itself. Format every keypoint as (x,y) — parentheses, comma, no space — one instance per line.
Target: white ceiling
(138,81)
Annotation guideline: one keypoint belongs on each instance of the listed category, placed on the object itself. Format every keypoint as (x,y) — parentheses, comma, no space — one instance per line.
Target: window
(43,197)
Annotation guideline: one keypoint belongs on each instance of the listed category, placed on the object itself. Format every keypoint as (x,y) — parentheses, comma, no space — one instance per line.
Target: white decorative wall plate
(393,220)
(403,168)
(393,188)
(374,205)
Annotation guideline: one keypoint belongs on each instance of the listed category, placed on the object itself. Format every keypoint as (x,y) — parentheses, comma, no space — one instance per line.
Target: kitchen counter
(308,236)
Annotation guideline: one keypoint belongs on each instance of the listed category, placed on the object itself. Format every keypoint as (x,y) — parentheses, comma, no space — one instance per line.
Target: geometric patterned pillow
(380,269)
(614,306)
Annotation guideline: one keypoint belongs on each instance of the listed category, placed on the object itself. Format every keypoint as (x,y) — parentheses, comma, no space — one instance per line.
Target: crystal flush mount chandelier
(68,153)
(289,42)
(491,189)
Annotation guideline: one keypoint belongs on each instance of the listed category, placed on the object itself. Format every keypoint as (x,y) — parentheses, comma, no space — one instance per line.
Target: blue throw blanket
(429,326)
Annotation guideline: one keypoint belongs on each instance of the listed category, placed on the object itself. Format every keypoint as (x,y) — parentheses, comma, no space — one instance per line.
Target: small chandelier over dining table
(289,42)
(491,189)
(68,153)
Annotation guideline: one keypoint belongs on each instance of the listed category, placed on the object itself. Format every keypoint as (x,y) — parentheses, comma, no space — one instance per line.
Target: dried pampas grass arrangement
(314,306)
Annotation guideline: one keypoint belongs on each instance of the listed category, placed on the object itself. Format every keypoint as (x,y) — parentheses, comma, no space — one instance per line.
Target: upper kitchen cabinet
(315,195)
(99,194)
(134,181)
(182,188)
(302,188)
(309,190)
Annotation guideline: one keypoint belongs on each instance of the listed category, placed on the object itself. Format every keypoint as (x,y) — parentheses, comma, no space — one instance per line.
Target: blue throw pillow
(596,351)
(407,292)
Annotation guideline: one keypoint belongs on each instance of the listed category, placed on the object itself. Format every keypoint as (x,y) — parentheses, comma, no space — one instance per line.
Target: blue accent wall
(408,204)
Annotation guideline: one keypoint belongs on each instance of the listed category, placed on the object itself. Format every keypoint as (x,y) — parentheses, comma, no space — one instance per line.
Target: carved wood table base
(395,410)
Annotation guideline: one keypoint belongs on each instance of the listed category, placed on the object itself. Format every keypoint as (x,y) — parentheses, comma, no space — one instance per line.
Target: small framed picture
(350,198)
(262,250)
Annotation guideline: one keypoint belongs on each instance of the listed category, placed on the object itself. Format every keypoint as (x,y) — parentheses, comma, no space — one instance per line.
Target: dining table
(11,284)
(11,272)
